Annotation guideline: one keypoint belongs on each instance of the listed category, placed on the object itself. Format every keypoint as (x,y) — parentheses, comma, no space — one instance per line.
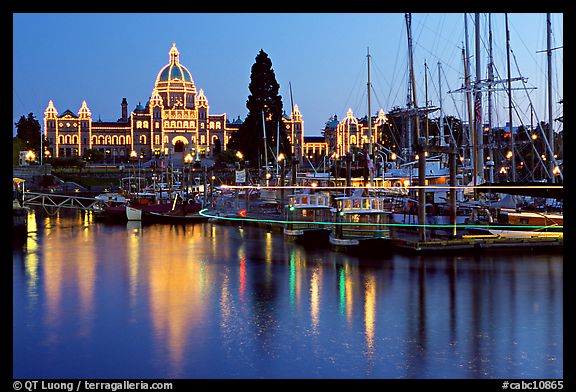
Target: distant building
(175,120)
(342,136)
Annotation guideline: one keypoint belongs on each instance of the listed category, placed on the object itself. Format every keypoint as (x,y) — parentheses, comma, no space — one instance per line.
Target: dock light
(268,175)
(534,136)
(406,183)
(280,157)
(509,154)
(242,213)
(417,157)
(188,158)
(314,184)
(239,155)
(503,170)
(292,208)
(393,156)
(213,178)
(341,213)
(543,157)
(556,170)
(133,154)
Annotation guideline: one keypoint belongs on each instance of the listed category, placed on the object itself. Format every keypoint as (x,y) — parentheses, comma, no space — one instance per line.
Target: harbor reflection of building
(180,287)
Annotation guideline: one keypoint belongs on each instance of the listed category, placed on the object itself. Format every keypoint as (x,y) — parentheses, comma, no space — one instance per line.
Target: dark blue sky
(102,58)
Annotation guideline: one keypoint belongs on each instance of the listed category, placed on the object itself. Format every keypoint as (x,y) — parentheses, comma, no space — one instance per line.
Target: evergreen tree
(29,132)
(249,139)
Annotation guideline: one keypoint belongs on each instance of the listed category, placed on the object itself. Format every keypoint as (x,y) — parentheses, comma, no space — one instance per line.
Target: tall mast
(369,110)
(426,98)
(550,118)
(411,85)
(369,157)
(490,81)
(513,161)
(478,148)
(442,140)
(466,55)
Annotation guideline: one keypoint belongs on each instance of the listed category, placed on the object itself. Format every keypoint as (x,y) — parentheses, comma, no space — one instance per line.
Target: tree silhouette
(29,132)
(263,98)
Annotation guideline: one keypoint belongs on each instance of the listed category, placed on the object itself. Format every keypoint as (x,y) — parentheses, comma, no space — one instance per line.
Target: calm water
(211,301)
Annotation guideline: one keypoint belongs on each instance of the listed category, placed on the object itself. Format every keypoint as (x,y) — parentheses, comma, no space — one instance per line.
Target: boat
(19,212)
(360,221)
(308,216)
(173,217)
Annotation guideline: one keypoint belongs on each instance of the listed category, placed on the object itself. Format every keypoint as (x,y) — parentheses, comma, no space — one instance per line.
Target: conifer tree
(263,98)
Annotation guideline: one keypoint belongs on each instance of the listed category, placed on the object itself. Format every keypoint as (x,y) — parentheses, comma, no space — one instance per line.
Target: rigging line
(550,150)
(380,72)
(344,110)
(399,40)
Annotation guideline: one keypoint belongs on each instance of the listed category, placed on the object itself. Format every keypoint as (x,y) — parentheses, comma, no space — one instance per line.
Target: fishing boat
(308,216)
(360,221)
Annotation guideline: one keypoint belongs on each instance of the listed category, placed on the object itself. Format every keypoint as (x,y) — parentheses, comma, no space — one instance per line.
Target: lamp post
(282,162)
(188,161)
(133,157)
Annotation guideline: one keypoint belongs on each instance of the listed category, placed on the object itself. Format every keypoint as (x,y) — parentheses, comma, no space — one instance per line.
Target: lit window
(218,125)
(185,124)
(211,125)
(138,124)
(157,125)
(145,124)
(173,124)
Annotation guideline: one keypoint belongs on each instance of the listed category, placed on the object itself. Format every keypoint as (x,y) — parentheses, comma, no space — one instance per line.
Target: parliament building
(175,120)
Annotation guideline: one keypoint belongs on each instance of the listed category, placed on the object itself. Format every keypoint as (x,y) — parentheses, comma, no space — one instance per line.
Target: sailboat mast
(550,118)
(513,160)
(426,99)
(490,81)
(478,148)
(442,140)
(466,55)
(411,86)
(369,110)
(265,143)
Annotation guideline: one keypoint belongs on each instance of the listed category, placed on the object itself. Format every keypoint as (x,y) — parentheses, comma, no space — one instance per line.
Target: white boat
(133,214)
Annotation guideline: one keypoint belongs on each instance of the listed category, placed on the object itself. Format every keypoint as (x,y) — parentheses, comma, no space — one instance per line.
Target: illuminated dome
(174,70)
(174,77)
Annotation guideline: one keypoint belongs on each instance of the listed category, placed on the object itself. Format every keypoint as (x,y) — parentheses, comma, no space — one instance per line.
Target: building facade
(175,120)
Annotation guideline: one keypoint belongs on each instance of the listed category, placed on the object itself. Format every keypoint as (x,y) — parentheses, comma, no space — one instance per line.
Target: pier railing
(62,201)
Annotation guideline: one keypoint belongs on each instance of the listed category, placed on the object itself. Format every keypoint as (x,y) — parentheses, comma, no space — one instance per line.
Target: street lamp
(133,156)
(30,157)
(188,160)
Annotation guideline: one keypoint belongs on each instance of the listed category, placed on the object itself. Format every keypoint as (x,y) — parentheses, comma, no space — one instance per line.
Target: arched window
(100,139)
(179,124)
(114,139)
(218,125)
(94,140)
(185,124)
(166,124)
(165,139)
(61,139)
(75,139)
(67,139)
(214,138)
(211,125)
(142,139)
(352,139)
(145,124)
(157,139)
(173,124)
(128,139)
(121,139)
(138,124)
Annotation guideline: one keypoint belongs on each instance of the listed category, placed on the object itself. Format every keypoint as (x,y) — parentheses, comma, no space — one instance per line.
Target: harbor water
(94,300)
